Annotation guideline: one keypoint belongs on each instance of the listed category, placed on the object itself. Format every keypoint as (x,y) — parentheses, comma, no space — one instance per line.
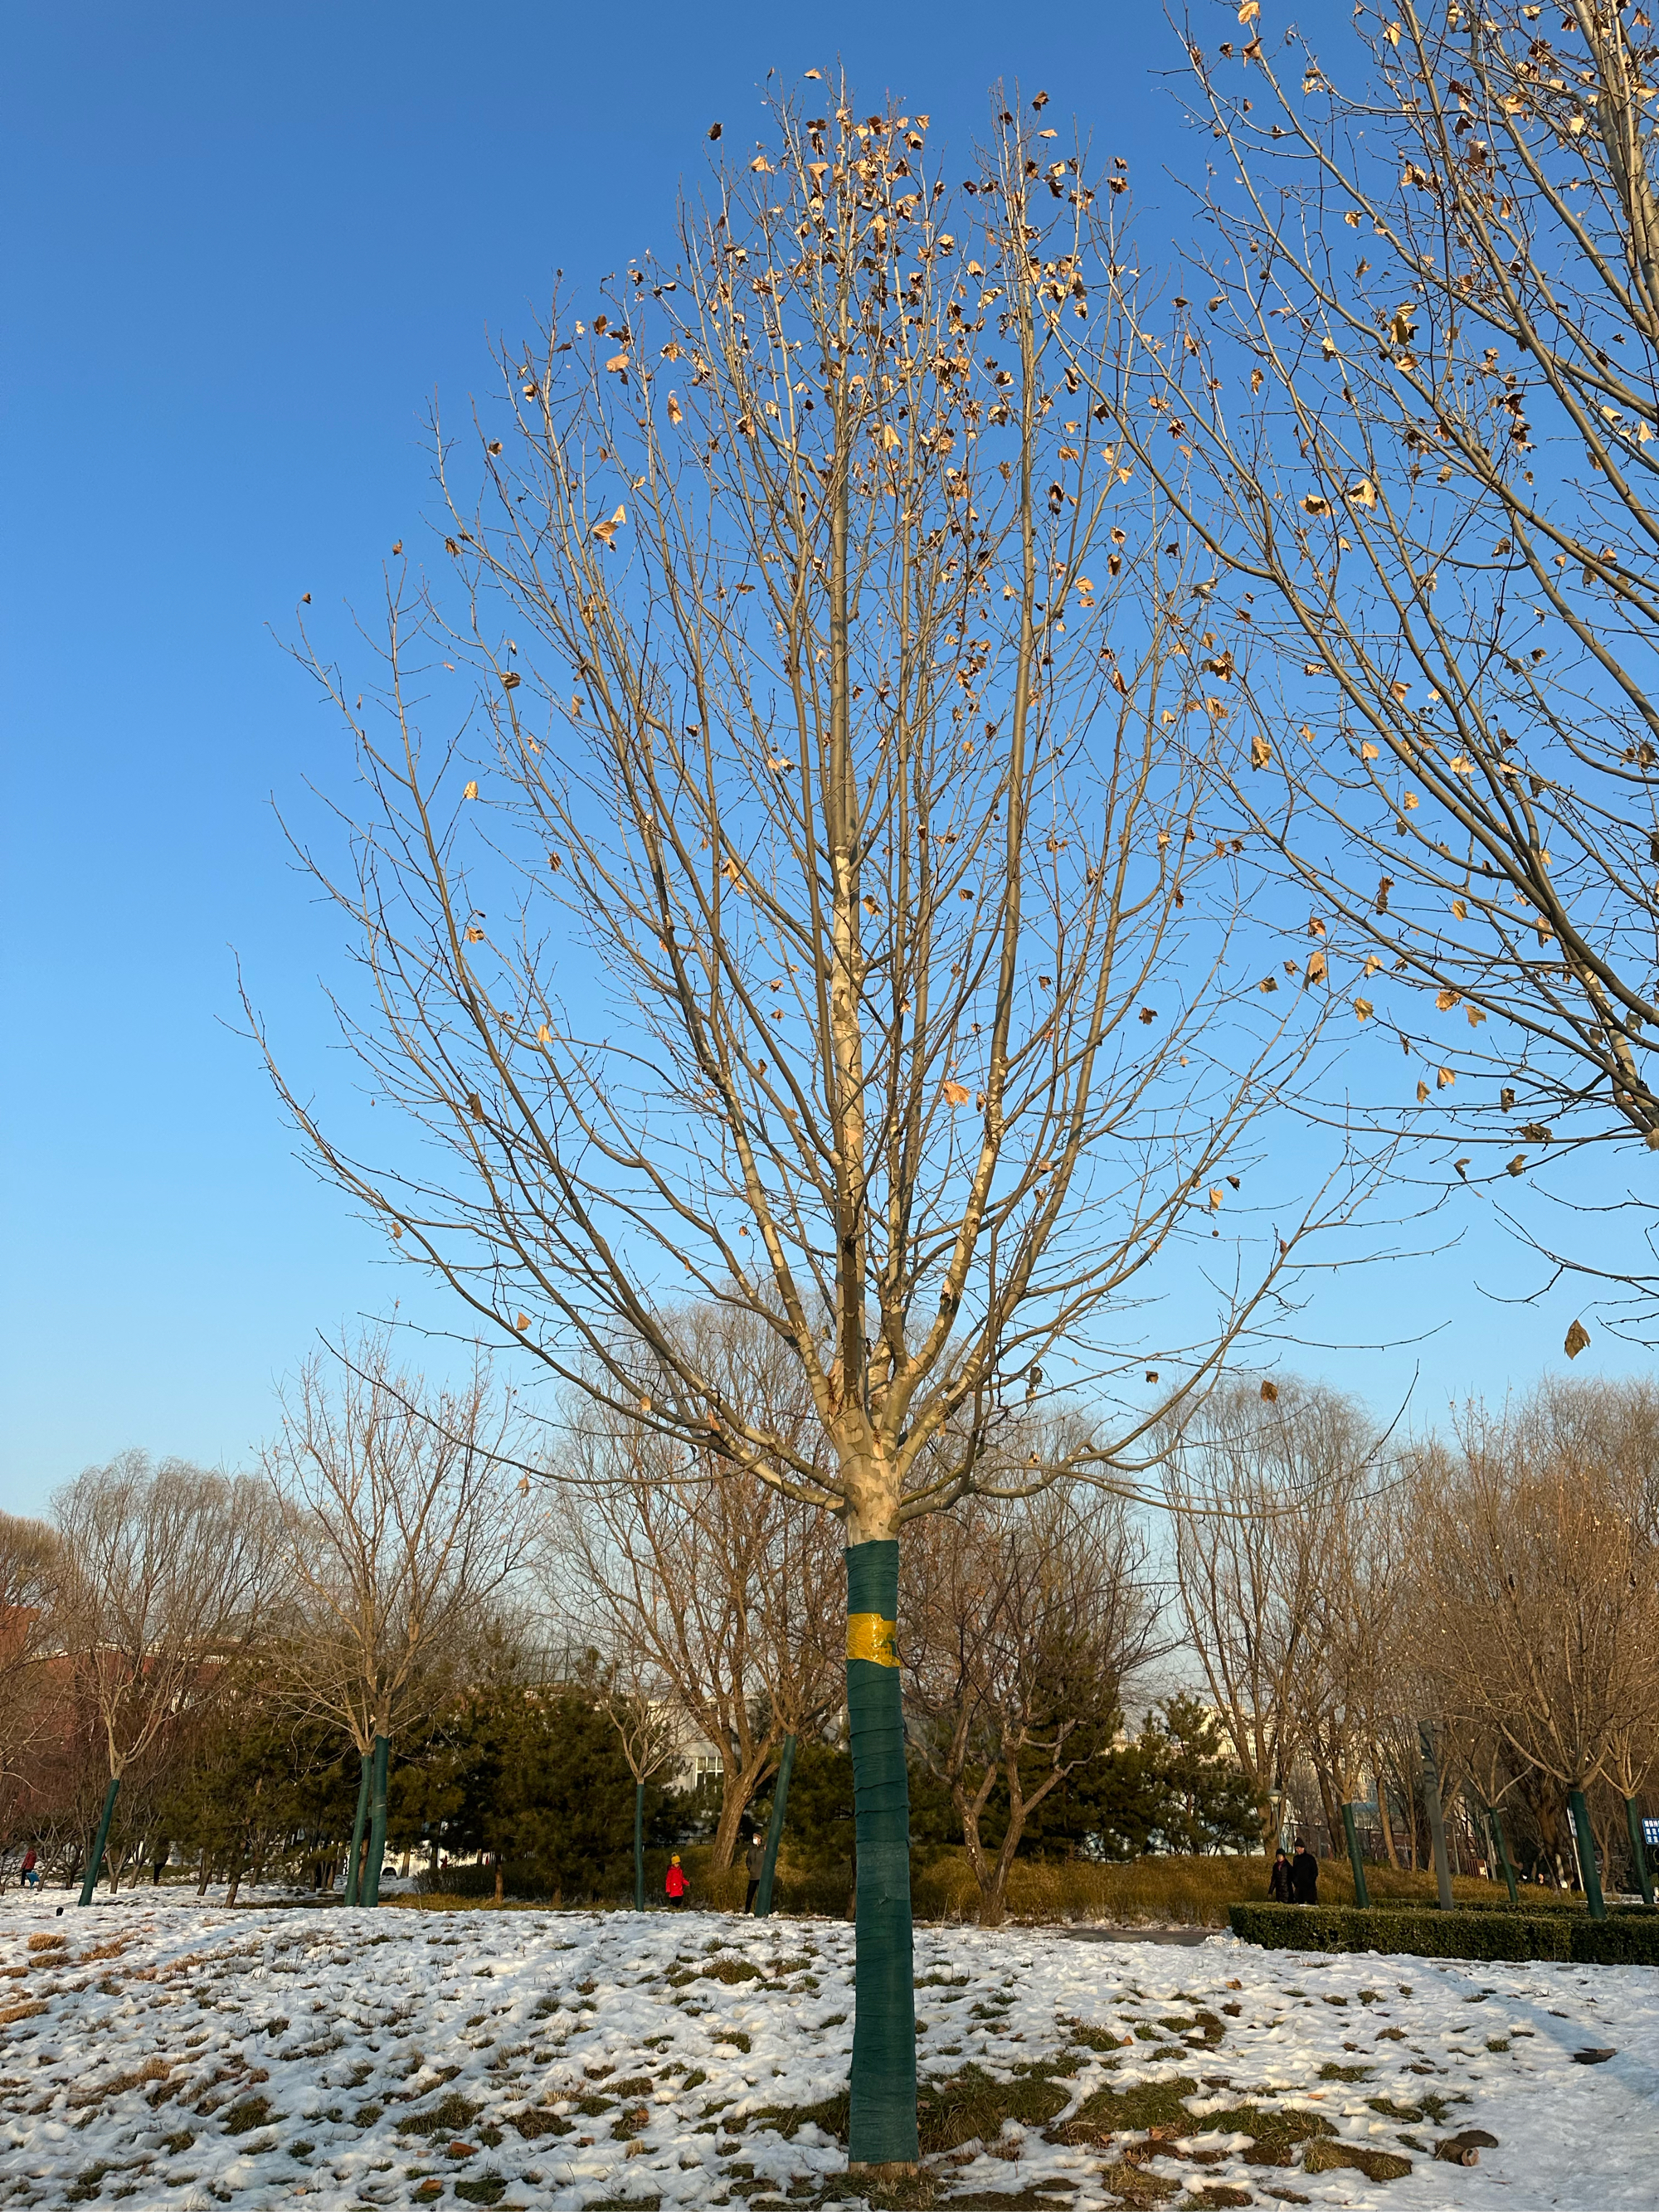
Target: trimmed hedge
(1628,1938)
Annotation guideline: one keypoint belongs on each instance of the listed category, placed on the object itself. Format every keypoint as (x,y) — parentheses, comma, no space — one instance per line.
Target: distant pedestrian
(754,1859)
(31,1876)
(1278,1882)
(675,1881)
(1304,1875)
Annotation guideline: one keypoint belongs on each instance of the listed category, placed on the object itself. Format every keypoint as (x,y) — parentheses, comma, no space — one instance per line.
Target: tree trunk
(638,1846)
(883,2125)
(500,1879)
(773,1831)
(382,1762)
(89,1880)
(1384,1821)
(354,1864)
(201,1878)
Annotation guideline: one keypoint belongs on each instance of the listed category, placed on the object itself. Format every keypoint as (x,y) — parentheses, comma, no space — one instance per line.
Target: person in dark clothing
(1304,1875)
(1278,1882)
(754,1859)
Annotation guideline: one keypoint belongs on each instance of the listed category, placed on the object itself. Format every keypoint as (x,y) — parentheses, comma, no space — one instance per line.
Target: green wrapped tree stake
(884,2118)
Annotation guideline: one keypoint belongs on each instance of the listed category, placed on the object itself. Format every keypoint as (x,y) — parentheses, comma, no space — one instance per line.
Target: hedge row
(1630,1937)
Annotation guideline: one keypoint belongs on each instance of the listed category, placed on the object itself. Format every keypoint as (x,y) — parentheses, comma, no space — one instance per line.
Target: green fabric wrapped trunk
(883,2130)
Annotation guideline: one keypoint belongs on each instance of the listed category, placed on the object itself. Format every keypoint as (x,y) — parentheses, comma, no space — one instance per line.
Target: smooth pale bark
(1436,1818)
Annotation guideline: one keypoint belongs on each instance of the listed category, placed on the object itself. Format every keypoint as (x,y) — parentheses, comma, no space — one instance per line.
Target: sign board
(1650,1834)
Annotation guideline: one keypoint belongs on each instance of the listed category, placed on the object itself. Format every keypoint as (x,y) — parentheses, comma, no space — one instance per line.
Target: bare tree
(650,1725)
(399,1526)
(31,1590)
(170,1571)
(834,926)
(730,1591)
(1421,409)
(1263,1482)
(1539,1593)
(1026,1619)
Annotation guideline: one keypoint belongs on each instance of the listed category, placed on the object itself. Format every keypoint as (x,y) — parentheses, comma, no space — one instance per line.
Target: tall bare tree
(170,1572)
(830,925)
(1263,1481)
(1026,1619)
(731,1591)
(1539,1592)
(1421,407)
(399,1526)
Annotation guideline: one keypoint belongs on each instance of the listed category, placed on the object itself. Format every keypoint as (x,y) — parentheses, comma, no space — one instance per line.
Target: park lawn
(157,2052)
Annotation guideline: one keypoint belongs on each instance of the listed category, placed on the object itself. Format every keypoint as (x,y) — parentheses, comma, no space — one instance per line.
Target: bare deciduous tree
(169,1574)
(1264,1490)
(399,1525)
(835,928)
(1025,1621)
(730,1592)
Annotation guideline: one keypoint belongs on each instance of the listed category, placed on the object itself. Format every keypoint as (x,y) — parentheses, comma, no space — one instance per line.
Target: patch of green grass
(367,2115)
(1138,2106)
(483,2189)
(732,1971)
(1330,2071)
(957,2108)
(175,2146)
(451,2115)
(1275,2136)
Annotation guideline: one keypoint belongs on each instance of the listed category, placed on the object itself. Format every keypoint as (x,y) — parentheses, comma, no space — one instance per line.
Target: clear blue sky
(244,246)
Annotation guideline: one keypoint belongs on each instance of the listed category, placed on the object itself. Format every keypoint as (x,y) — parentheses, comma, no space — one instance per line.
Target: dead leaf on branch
(607,532)
(955,1094)
(1577,1337)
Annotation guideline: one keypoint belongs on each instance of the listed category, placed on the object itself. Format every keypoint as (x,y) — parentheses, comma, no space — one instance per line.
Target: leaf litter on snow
(161,2052)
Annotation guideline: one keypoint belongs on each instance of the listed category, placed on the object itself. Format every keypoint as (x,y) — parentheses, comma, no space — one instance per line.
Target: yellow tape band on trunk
(869,1637)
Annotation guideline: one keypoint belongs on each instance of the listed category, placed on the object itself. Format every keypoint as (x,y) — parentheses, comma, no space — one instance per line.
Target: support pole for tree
(1362,1896)
(1587,1866)
(882,2127)
(638,1846)
(377,1818)
(355,1864)
(775,1830)
(90,1882)
(1639,1851)
(1495,1822)
(1436,1817)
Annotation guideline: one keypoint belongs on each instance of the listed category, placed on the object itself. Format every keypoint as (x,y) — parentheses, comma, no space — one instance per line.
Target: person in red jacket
(675,1884)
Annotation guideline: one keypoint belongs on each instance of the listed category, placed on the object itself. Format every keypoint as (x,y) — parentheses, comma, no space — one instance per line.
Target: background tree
(728,1592)
(31,1625)
(841,766)
(171,1572)
(1263,1481)
(1026,1619)
(1421,406)
(398,1526)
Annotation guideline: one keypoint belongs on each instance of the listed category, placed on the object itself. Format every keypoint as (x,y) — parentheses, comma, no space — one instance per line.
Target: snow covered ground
(159,2052)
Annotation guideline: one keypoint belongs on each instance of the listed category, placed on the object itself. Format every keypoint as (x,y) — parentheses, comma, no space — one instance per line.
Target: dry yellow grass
(1148,1892)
